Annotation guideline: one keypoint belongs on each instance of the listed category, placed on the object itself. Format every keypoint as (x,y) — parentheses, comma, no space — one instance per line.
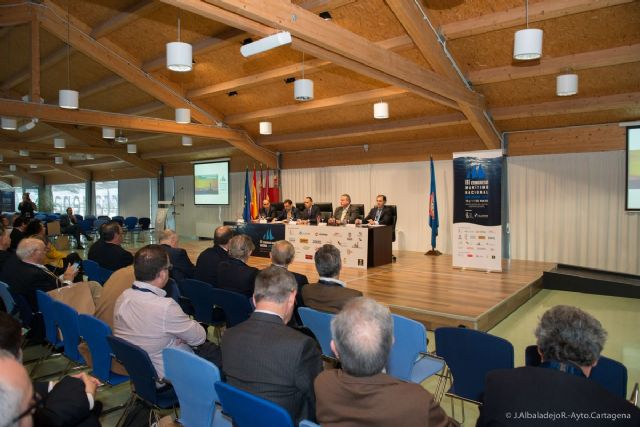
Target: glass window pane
(106,198)
(69,195)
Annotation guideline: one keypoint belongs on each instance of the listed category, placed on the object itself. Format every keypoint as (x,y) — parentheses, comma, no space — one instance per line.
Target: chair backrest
(90,217)
(394,213)
(92,270)
(24,309)
(470,355)
(410,339)
(237,307)
(248,410)
(300,206)
(119,219)
(53,228)
(79,217)
(95,333)
(105,217)
(45,306)
(609,373)
(68,323)
(359,208)
(130,222)
(320,324)
(204,297)
(194,380)
(99,223)
(307,423)
(7,299)
(325,207)
(138,364)
(86,225)
(144,223)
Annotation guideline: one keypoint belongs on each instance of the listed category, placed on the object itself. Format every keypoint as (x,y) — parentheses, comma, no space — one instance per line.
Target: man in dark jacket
(181,266)
(107,250)
(69,225)
(207,264)
(235,275)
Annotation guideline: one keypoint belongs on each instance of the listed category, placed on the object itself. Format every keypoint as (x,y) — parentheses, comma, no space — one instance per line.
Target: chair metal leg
(127,407)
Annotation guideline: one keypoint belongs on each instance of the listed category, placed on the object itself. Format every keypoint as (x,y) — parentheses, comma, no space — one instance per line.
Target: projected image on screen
(211,183)
(633,168)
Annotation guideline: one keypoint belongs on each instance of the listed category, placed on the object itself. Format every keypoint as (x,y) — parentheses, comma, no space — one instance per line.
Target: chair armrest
(634,396)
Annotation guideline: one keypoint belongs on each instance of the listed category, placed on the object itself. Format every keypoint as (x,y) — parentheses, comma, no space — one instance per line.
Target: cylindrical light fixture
(132,148)
(381,110)
(527,44)
(108,133)
(566,84)
(12,168)
(33,166)
(90,157)
(179,57)
(187,141)
(266,128)
(68,99)
(303,90)
(58,160)
(183,115)
(9,123)
(1,158)
(24,153)
(59,143)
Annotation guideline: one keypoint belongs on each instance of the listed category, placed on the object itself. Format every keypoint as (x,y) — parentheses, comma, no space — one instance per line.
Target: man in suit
(107,250)
(345,213)
(208,261)
(69,225)
(17,233)
(380,214)
(330,294)
(265,357)
(282,254)
(361,393)
(267,211)
(181,266)
(311,212)
(289,213)
(16,392)
(235,275)
(569,342)
(5,242)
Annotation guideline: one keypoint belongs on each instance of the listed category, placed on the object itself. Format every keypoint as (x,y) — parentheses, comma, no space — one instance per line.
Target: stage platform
(429,290)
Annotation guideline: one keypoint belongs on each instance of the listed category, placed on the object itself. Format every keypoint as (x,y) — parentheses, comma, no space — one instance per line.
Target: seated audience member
(4,221)
(267,211)
(69,225)
(380,214)
(569,342)
(207,264)
(55,260)
(282,254)
(235,275)
(311,212)
(107,250)
(17,233)
(181,266)
(145,318)
(345,213)
(289,213)
(361,394)
(330,293)
(68,402)
(265,357)
(5,243)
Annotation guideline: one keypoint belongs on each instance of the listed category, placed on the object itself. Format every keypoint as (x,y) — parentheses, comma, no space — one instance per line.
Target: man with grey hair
(181,266)
(570,342)
(235,274)
(208,261)
(330,294)
(16,393)
(361,394)
(265,357)
(345,213)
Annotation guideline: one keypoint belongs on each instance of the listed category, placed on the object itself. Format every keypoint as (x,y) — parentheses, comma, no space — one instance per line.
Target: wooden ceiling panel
(562,120)
(120,97)
(446,11)
(15,46)
(95,11)
(371,19)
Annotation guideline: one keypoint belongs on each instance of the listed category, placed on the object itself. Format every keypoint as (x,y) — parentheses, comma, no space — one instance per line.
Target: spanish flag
(254,196)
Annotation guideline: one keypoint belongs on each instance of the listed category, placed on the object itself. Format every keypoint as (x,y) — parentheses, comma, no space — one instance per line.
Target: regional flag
(434,222)
(246,211)
(254,196)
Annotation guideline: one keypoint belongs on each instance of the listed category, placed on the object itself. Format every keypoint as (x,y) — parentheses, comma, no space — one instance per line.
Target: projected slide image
(206,184)
(211,183)
(633,169)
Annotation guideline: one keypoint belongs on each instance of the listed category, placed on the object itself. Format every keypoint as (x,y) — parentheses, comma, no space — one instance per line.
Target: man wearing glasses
(144,317)
(267,211)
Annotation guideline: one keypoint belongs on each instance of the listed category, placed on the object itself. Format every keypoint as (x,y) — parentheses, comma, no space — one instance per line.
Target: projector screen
(633,169)
(211,183)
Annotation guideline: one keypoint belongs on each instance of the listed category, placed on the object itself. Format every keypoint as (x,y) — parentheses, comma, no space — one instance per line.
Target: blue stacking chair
(307,423)
(193,379)
(470,355)
(95,272)
(99,223)
(207,302)
(79,217)
(45,306)
(95,332)
(320,324)
(248,410)
(409,359)
(41,216)
(86,225)
(119,219)
(67,318)
(131,226)
(143,377)
(7,299)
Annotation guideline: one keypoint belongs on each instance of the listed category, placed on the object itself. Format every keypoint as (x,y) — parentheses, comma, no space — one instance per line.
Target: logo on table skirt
(308,256)
(360,262)
(268,235)
(304,240)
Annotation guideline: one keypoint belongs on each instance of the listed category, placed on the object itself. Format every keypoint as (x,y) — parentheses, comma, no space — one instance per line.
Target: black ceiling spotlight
(247,41)
(289,80)
(325,15)
(232,93)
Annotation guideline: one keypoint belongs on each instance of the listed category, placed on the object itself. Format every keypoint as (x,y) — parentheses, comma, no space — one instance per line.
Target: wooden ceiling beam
(317,105)
(23,174)
(547,9)
(95,162)
(119,20)
(181,151)
(580,61)
(411,18)
(35,58)
(15,14)
(48,148)
(74,172)
(45,63)
(28,161)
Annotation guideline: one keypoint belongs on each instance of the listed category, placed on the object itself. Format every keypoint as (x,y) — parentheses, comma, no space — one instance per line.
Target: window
(33,195)
(106,198)
(69,195)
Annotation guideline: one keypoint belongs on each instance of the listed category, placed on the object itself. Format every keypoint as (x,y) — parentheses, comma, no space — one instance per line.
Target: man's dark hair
(110,230)
(287,202)
(310,199)
(384,198)
(19,221)
(328,262)
(10,334)
(149,261)
(34,227)
(222,235)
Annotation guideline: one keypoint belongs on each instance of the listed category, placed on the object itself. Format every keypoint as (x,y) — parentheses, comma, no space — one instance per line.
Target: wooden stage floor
(429,290)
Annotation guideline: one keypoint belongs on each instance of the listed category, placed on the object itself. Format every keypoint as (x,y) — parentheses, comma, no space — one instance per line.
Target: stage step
(591,281)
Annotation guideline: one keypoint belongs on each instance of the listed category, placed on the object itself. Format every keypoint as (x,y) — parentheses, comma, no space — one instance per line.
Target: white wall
(134,197)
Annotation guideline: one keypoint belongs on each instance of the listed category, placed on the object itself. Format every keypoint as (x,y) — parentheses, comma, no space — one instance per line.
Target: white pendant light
(68,99)
(33,166)
(9,123)
(90,157)
(527,43)
(380,110)
(567,84)
(303,88)
(12,168)
(108,133)
(132,148)
(187,141)
(183,115)
(1,158)
(179,55)
(24,153)
(266,128)
(59,143)
(59,160)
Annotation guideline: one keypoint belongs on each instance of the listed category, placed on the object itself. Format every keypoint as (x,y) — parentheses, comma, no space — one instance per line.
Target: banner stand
(433,252)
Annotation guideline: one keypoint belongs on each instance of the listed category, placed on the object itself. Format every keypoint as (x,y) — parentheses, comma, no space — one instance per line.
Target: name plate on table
(352,243)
